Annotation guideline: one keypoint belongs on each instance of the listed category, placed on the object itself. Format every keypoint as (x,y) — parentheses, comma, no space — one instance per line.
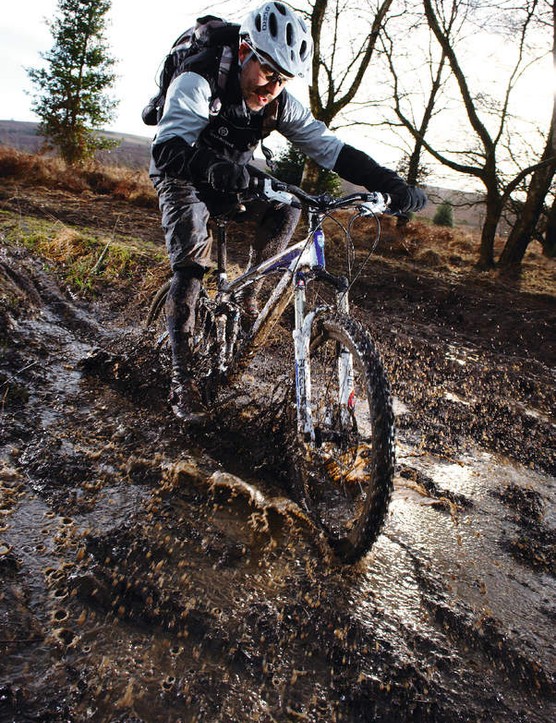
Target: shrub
(444,215)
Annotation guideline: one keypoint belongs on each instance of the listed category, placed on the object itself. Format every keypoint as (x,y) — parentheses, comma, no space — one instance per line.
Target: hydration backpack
(208,32)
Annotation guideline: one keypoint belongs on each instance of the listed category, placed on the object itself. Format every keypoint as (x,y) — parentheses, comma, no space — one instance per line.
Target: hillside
(132,152)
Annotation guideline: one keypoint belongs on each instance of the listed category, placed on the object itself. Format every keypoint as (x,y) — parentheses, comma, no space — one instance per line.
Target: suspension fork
(301,341)
(346,385)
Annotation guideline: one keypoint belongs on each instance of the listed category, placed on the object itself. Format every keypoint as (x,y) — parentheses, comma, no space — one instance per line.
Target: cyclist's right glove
(222,175)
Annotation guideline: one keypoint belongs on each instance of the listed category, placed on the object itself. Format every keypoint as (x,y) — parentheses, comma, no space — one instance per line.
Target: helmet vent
(281,9)
(289,34)
(258,22)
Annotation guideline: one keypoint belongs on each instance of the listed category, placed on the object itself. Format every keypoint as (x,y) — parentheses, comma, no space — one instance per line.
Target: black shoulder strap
(224,66)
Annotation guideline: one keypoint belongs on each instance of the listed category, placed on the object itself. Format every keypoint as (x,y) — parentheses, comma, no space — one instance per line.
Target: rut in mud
(153,574)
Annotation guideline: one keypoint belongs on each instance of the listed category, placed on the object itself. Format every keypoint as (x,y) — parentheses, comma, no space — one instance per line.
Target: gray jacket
(187,116)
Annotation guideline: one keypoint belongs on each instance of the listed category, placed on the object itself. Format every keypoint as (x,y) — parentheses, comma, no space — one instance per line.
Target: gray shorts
(184,218)
(186,212)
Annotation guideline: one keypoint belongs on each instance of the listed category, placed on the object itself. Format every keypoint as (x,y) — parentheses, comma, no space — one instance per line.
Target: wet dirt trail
(149,574)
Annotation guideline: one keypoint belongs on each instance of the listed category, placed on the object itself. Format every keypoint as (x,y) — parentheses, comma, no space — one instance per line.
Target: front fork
(302,339)
(346,384)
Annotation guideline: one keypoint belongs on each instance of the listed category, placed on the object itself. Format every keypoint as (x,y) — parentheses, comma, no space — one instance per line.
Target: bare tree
(539,186)
(341,57)
(488,119)
(414,104)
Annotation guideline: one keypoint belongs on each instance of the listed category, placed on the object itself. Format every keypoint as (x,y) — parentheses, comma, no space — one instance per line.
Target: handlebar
(271,189)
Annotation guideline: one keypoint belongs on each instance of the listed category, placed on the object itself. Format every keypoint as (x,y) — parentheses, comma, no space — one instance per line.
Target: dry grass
(87,262)
(448,251)
(38,170)
(64,246)
(439,249)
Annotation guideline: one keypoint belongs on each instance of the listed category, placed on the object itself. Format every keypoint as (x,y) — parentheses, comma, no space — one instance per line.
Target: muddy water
(151,575)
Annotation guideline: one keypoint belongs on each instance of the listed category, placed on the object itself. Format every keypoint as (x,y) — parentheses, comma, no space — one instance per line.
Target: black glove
(224,176)
(228,177)
(359,168)
(408,200)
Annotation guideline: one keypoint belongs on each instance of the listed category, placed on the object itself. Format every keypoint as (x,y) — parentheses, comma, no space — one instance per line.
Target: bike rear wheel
(213,342)
(156,317)
(346,471)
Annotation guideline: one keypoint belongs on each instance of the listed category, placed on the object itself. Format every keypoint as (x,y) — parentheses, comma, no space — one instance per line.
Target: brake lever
(265,189)
(380,204)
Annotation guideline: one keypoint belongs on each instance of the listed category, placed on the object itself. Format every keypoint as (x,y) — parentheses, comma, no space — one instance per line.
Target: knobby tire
(157,305)
(204,353)
(345,475)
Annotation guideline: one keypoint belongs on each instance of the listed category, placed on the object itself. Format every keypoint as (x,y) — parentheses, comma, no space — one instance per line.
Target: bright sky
(139,35)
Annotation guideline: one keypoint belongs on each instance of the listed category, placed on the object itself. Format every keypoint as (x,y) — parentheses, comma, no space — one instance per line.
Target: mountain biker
(199,159)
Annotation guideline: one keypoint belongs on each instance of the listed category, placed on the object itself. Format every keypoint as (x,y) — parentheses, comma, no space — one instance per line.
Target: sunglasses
(271,74)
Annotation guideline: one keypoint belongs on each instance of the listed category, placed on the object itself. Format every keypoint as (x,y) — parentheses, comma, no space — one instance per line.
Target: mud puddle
(149,574)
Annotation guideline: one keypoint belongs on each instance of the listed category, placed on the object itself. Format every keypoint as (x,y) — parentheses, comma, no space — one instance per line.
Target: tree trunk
(488,233)
(549,244)
(414,164)
(310,178)
(522,232)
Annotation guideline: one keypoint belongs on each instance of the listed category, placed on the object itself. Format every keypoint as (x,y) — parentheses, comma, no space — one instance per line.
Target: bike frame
(300,263)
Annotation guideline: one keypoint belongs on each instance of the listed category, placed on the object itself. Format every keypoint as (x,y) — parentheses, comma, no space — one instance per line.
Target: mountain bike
(341,461)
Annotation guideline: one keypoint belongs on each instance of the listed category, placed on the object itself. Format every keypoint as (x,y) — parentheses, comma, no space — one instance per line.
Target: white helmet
(281,36)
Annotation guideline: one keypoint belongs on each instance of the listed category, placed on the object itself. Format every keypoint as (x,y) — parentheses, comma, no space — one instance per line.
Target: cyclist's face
(260,84)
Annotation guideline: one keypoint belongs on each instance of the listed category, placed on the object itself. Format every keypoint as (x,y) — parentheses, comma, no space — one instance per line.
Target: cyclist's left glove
(359,168)
(228,177)
(411,199)
(222,175)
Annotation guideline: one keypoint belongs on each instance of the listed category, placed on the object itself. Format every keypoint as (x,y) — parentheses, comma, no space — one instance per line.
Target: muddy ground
(154,574)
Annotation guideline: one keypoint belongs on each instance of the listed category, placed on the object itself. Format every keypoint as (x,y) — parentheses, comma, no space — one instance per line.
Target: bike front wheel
(345,466)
